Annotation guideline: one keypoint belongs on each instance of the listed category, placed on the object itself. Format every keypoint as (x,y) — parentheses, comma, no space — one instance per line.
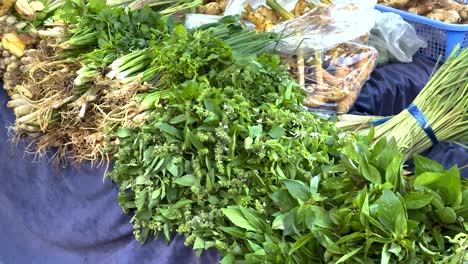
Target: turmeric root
(212,7)
(329,94)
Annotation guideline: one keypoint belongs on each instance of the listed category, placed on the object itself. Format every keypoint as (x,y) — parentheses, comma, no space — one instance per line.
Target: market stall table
(71,215)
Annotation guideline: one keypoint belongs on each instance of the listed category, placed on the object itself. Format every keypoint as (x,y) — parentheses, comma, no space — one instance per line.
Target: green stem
(275,6)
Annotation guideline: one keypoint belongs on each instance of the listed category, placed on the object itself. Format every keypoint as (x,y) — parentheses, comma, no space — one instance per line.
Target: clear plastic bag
(395,39)
(333,77)
(319,28)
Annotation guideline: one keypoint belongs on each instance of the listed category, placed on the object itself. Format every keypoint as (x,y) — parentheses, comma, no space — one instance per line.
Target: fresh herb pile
(211,140)
(230,159)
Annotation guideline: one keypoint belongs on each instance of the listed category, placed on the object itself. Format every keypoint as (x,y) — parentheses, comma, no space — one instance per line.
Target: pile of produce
(232,162)
(211,140)
(448,11)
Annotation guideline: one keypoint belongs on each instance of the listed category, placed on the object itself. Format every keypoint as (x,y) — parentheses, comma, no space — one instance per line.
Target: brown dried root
(77,145)
(118,103)
(80,137)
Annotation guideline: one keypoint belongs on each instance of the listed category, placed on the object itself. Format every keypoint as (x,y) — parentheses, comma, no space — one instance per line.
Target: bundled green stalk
(168,7)
(443,102)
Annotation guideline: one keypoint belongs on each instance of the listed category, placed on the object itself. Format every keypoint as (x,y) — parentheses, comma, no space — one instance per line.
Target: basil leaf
(199,243)
(237,218)
(276,132)
(417,200)
(297,189)
(390,212)
(188,180)
(234,231)
(253,218)
(170,130)
(427,178)
(255,131)
(349,255)
(228,259)
(301,243)
(283,200)
(422,165)
(123,133)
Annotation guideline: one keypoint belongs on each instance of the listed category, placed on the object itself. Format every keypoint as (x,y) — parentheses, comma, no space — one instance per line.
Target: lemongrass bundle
(438,114)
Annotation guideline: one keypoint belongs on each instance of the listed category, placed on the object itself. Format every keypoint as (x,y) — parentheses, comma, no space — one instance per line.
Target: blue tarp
(72,216)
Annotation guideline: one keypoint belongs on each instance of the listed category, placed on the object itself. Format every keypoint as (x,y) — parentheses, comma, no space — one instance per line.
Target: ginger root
(421,9)
(447,16)
(448,11)
(261,22)
(268,14)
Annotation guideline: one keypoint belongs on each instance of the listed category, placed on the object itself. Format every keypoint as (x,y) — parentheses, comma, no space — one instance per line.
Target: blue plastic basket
(441,37)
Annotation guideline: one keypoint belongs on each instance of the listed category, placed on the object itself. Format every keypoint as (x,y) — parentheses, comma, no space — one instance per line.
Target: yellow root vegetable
(447,16)
(448,11)
(6,6)
(223,4)
(213,8)
(300,8)
(453,5)
(261,23)
(396,3)
(421,9)
(13,44)
(268,14)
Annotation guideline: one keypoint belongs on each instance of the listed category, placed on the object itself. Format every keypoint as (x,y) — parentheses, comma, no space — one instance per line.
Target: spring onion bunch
(443,102)
(165,7)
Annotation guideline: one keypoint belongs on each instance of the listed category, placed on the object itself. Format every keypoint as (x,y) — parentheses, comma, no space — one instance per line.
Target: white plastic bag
(196,20)
(394,38)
